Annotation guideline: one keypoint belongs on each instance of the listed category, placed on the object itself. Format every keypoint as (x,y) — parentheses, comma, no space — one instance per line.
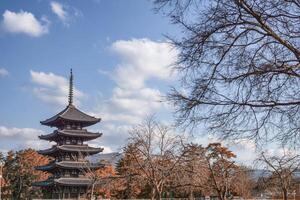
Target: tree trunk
(285,194)
(159,191)
(191,195)
(152,193)
(92,192)
(222,195)
(158,195)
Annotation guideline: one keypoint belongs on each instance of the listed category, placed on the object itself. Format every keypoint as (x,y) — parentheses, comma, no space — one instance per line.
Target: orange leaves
(105,172)
(216,149)
(19,173)
(106,186)
(28,159)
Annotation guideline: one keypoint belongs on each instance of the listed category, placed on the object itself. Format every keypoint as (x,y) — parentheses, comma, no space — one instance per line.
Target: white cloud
(24,22)
(52,88)
(106,149)
(64,12)
(245,150)
(130,106)
(21,138)
(3,72)
(19,132)
(142,59)
(133,98)
(59,10)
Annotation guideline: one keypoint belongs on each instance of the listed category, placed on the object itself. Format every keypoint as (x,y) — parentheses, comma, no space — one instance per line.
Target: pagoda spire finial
(71,88)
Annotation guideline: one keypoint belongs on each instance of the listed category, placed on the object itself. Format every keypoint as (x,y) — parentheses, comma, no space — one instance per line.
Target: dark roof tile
(71,113)
(70,148)
(83,133)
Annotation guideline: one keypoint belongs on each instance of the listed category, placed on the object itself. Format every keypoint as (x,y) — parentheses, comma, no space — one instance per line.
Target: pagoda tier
(65,182)
(56,150)
(81,134)
(71,116)
(69,165)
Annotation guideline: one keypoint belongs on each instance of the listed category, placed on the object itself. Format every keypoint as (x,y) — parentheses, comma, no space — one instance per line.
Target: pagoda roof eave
(71,148)
(73,181)
(71,113)
(69,165)
(45,183)
(70,181)
(72,133)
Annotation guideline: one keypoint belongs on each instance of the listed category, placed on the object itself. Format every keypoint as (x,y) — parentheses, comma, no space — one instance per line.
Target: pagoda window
(74,173)
(73,189)
(74,126)
(66,173)
(68,141)
(68,126)
(74,141)
(67,157)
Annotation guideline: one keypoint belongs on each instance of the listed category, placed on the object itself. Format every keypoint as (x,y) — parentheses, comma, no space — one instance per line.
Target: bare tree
(159,149)
(239,64)
(91,174)
(280,172)
(88,169)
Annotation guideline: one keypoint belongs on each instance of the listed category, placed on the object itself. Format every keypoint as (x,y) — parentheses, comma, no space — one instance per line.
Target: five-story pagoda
(69,166)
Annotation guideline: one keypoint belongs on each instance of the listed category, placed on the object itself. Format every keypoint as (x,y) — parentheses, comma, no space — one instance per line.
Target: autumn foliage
(156,164)
(19,174)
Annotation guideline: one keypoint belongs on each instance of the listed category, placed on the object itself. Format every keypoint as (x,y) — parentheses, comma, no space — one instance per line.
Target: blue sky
(105,42)
(120,59)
